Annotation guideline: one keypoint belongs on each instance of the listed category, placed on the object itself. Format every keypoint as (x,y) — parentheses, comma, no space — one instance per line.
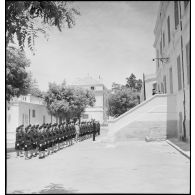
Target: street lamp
(163,60)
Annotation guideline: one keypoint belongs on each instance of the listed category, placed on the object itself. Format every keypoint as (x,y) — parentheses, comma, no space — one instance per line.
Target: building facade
(147,89)
(26,110)
(172,45)
(99,110)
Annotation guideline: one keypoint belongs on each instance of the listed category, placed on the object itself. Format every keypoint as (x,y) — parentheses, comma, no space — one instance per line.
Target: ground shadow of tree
(56,189)
(51,189)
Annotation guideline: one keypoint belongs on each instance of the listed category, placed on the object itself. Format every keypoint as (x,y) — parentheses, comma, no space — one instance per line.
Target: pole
(144,86)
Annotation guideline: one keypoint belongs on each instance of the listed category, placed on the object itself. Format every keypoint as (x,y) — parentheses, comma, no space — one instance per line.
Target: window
(92,87)
(33,113)
(179,73)
(176,11)
(85,116)
(168,28)
(171,80)
(163,39)
(186,4)
(188,61)
(165,84)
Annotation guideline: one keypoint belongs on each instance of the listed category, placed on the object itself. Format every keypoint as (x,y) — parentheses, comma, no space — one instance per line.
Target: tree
(18,80)
(131,81)
(138,85)
(82,99)
(34,89)
(66,102)
(22,16)
(121,101)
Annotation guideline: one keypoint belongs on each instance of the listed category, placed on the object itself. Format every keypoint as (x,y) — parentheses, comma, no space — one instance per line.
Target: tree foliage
(122,101)
(21,19)
(34,89)
(18,80)
(133,83)
(67,102)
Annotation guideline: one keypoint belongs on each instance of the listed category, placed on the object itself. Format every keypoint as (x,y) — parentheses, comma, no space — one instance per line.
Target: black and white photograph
(97,97)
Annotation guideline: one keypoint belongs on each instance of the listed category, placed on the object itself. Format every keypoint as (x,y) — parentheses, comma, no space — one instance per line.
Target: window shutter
(176,14)
(168,28)
(163,39)
(179,73)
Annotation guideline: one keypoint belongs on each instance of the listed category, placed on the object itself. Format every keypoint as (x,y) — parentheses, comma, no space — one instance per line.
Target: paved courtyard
(98,167)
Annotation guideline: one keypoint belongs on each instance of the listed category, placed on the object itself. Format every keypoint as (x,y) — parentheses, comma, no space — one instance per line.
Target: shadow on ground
(183,145)
(51,189)
(8,156)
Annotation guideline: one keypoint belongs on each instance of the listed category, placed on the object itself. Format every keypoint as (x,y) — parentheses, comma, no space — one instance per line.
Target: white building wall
(172,50)
(99,101)
(26,109)
(18,114)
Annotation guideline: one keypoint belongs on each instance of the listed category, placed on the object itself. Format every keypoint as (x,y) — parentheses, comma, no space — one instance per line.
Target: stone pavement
(99,167)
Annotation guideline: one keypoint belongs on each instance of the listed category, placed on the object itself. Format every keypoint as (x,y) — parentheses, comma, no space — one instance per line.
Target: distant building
(99,110)
(26,110)
(150,84)
(172,41)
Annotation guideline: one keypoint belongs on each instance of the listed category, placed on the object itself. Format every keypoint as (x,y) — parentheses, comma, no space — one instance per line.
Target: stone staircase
(148,121)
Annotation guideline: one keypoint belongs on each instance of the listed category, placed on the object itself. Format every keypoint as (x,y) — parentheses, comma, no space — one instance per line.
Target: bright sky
(110,39)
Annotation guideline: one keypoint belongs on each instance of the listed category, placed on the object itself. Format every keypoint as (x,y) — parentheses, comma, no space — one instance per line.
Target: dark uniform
(19,140)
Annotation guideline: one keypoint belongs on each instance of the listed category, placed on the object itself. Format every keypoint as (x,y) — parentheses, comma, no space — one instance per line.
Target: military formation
(46,139)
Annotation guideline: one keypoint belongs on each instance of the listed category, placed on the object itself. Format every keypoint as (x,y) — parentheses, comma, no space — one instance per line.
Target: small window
(179,73)
(163,39)
(85,116)
(168,28)
(161,47)
(33,113)
(176,14)
(92,87)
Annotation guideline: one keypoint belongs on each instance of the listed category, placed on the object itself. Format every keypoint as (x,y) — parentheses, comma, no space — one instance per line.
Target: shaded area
(8,150)
(18,192)
(50,189)
(183,145)
(8,156)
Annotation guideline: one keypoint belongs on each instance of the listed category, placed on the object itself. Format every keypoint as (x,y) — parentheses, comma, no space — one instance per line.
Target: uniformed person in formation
(48,138)
(77,128)
(19,144)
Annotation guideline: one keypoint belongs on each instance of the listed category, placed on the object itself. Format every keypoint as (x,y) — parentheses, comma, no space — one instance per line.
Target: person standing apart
(77,127)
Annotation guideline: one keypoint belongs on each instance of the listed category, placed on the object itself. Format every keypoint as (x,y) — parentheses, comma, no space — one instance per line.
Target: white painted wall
(99,101)
(173,50)
(18,114)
